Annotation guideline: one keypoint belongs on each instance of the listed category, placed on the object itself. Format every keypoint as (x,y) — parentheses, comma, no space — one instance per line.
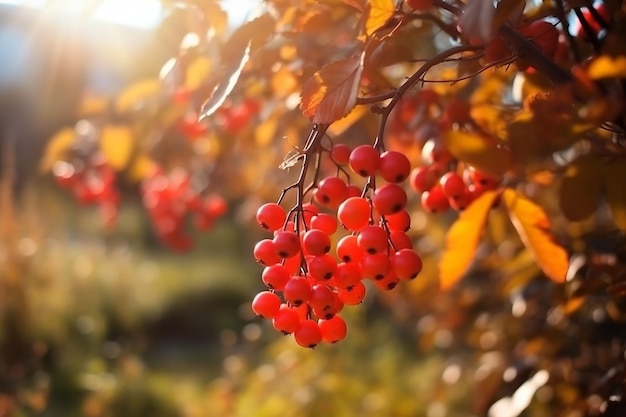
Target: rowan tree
(338,123)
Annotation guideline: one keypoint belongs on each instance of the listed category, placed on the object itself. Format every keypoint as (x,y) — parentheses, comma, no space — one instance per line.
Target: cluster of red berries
(170,198)
(307,286)
(92,182)
(440,183)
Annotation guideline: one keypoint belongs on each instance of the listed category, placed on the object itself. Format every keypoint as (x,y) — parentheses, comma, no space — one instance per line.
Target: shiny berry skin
(275,277)
(331,191)
(354,213)
(423,179)
(406,264)
(452,185)
(286,243)
(271,216)
(394,166)
(389,199)
(315,242)
(333,330)
(372,239)
(265,252)
(543,34)
(435,201)
(324,222)
(353,296)
(322,267)
(322,298)
(375,266)
(388,282)
(297,291)
(399,221)
(400,240)
(340,153)
(266,304)
(308,334)
(482,180)
(286,320)
(435,152)
(364,160)
(347,275)
(348,249)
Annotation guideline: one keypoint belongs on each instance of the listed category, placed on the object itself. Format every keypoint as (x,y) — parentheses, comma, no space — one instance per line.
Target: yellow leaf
(117,144)
(379,13)
(340,126)
(137,95)
(197,72)
(616,192)
(463,238)
(57,148)
(479,152)
(581,187)
(92,105)
(140,167)
(533,227)
(605,66)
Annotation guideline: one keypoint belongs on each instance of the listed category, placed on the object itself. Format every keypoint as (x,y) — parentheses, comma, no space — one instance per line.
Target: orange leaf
(331,92)
(379,13)
(357,4)
(533,226)
(463,238)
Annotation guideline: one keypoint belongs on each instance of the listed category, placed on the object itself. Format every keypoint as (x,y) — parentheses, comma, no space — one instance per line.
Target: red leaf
(331,92)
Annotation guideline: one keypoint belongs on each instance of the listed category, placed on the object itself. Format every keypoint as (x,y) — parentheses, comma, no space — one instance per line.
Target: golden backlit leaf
(57,148)
(463,238)
(140,167)
(533,226)
(379,13)
(605,66)
(616,191)
(117,144)
(284,82)
(198,71)
(478,151)
(581,187)
(340,126)
(331,92)
(137,95)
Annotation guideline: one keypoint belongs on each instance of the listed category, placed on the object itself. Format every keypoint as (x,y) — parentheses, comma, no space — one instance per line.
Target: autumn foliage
(504,121)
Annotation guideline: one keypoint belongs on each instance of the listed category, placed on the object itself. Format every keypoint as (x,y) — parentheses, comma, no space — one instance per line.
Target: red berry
(400,240)
(452,185)
(265,252)
(315,242)
(266,304)
(308,334)
(275,276)
(394,166)
(354,213)
(406,264)
(331,191)
(543,34)
(389,199)
(435,201)
(322,298)
(324,222)
(435,152)
(399,221)
(271,216)
(375,266)
(297,291)
(286,243)
(340,153)
(348,249)
(333,330)
(364,160)
(286,320)
(372,239)
(353,296)
(322,267)
(423,179)
(347,275)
